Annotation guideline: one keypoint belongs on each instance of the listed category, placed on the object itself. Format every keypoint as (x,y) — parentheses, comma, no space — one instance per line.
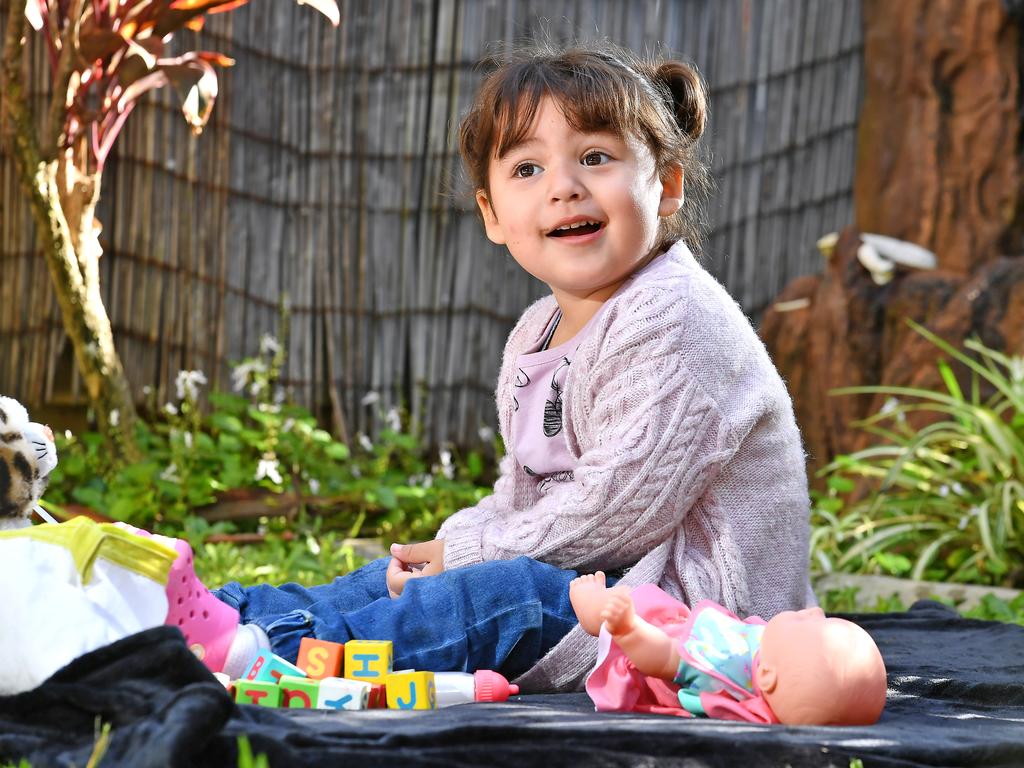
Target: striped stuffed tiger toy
(27,456)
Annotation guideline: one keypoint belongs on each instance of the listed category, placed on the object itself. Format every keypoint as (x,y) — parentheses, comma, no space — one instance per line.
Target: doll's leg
(501,615)
(589,595)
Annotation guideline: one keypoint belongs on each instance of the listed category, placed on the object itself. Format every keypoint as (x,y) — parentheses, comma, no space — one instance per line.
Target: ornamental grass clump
(944,502)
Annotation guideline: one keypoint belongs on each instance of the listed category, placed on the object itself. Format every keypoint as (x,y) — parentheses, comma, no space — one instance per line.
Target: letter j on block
(368,660)
(411,690)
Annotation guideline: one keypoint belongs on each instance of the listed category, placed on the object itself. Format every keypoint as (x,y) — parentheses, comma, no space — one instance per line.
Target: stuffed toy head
(27,456)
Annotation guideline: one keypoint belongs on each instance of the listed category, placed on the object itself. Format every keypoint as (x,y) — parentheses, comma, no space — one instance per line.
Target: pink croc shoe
(208,624)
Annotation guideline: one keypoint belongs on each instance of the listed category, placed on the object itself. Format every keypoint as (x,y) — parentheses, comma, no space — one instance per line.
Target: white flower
(170,474)
(364,441)
(115,417)
(314,486)
(67,434)
(447,468)
(889,406)
(147,390)
(486,434)
(370,398)
(394,420)
(243,373)
(267,468)
(188,440)
(288,424)
(958,489)
(1017,369)
(187,384)
(269,345)
(943,491)
(170,409)
(972,512)
(428,481)
(279,395)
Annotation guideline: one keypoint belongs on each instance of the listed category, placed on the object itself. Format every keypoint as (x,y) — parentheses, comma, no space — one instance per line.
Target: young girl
(649,435)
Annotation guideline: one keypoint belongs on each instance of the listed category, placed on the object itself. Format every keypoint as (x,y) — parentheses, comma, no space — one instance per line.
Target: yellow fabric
(88,540)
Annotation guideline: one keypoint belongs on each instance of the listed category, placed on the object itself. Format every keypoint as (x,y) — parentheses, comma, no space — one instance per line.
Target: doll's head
(814,670)
(598,87)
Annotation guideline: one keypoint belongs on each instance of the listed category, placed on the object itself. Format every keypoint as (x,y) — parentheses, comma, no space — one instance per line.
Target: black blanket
(956,698)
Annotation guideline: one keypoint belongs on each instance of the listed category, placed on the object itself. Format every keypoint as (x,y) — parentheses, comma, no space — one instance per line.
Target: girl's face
(558,177)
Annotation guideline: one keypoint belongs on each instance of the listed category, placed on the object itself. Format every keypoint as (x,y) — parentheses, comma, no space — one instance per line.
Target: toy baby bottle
(462,687)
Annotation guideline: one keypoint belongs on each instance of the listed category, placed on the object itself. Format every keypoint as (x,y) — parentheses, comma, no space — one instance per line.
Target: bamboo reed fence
(328,179)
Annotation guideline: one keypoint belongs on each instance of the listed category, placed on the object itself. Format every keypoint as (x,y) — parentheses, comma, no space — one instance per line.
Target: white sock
(249,640)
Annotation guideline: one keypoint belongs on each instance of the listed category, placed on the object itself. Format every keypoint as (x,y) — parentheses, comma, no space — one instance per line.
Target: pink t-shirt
(538,442)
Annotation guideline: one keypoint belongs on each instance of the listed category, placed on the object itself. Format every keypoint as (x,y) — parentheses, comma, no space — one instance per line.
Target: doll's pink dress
(715,678)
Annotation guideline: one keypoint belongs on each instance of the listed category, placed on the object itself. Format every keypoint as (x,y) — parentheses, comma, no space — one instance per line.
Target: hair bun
(689,97)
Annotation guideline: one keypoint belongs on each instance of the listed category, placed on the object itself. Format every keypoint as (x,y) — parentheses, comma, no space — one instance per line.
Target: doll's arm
(650,649)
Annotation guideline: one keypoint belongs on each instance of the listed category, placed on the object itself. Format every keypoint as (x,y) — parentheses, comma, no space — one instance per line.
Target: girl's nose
(565,183)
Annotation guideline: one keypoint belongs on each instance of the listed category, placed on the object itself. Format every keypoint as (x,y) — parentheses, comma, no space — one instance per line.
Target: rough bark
(939,128)
(938,164)
(62,194)
(839,329)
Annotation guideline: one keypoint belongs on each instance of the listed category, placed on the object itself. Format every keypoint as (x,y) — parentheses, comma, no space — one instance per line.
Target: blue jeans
(502,615)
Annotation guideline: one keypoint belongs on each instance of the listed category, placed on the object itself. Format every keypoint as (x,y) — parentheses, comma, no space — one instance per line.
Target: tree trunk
(63,199)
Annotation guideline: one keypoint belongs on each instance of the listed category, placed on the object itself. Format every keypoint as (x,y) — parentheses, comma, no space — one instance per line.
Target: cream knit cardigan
(689,461)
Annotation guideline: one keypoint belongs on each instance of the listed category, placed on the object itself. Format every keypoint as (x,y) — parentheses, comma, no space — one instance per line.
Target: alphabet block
(378,696)
(270,667)
(368,660)
(411,690)
(320,658)
(341,693)
(299,692)
(259,692)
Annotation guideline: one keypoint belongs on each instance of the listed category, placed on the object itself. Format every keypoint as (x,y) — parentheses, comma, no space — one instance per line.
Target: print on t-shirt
(522,380)
(553,408)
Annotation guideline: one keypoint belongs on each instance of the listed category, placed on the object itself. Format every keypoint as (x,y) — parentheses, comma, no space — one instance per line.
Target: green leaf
(840,484)
(337,451)
(226,422)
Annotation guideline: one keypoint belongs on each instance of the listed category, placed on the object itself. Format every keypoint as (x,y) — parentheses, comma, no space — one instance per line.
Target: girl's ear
(671,191)
(491,225)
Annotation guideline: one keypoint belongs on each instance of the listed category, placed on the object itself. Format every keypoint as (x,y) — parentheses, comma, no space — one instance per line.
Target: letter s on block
(316,661)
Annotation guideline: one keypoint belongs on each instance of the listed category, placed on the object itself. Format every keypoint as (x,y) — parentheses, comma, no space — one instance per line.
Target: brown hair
(599,87)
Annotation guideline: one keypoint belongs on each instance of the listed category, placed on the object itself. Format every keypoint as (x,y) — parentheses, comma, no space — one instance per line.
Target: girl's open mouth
(577,232)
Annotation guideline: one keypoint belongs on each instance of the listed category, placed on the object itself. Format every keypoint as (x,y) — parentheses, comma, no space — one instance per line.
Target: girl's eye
(595,158)
(526,170)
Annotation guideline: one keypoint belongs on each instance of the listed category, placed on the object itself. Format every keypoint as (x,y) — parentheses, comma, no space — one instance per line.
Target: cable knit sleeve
(650,441)
(478,515)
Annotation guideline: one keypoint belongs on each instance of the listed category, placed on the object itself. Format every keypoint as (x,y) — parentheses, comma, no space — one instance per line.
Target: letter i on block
(320,658)
(368,660)
(267,666)
(259,692)
(411,690)
(299,692)
(340,693)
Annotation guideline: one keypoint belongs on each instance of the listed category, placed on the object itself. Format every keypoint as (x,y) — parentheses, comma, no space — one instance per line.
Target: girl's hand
(411,561)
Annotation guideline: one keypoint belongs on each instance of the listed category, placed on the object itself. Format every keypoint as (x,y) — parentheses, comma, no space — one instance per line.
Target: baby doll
(657,655)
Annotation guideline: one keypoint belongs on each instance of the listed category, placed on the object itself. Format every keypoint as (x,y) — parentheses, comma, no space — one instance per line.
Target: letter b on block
(368,660)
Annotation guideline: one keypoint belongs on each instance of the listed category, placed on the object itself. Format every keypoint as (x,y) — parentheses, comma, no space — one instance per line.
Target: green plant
(989,608)
(246,759)
(948,499)
(305,492)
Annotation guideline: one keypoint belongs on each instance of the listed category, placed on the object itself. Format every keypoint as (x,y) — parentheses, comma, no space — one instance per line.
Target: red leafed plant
(104,55)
